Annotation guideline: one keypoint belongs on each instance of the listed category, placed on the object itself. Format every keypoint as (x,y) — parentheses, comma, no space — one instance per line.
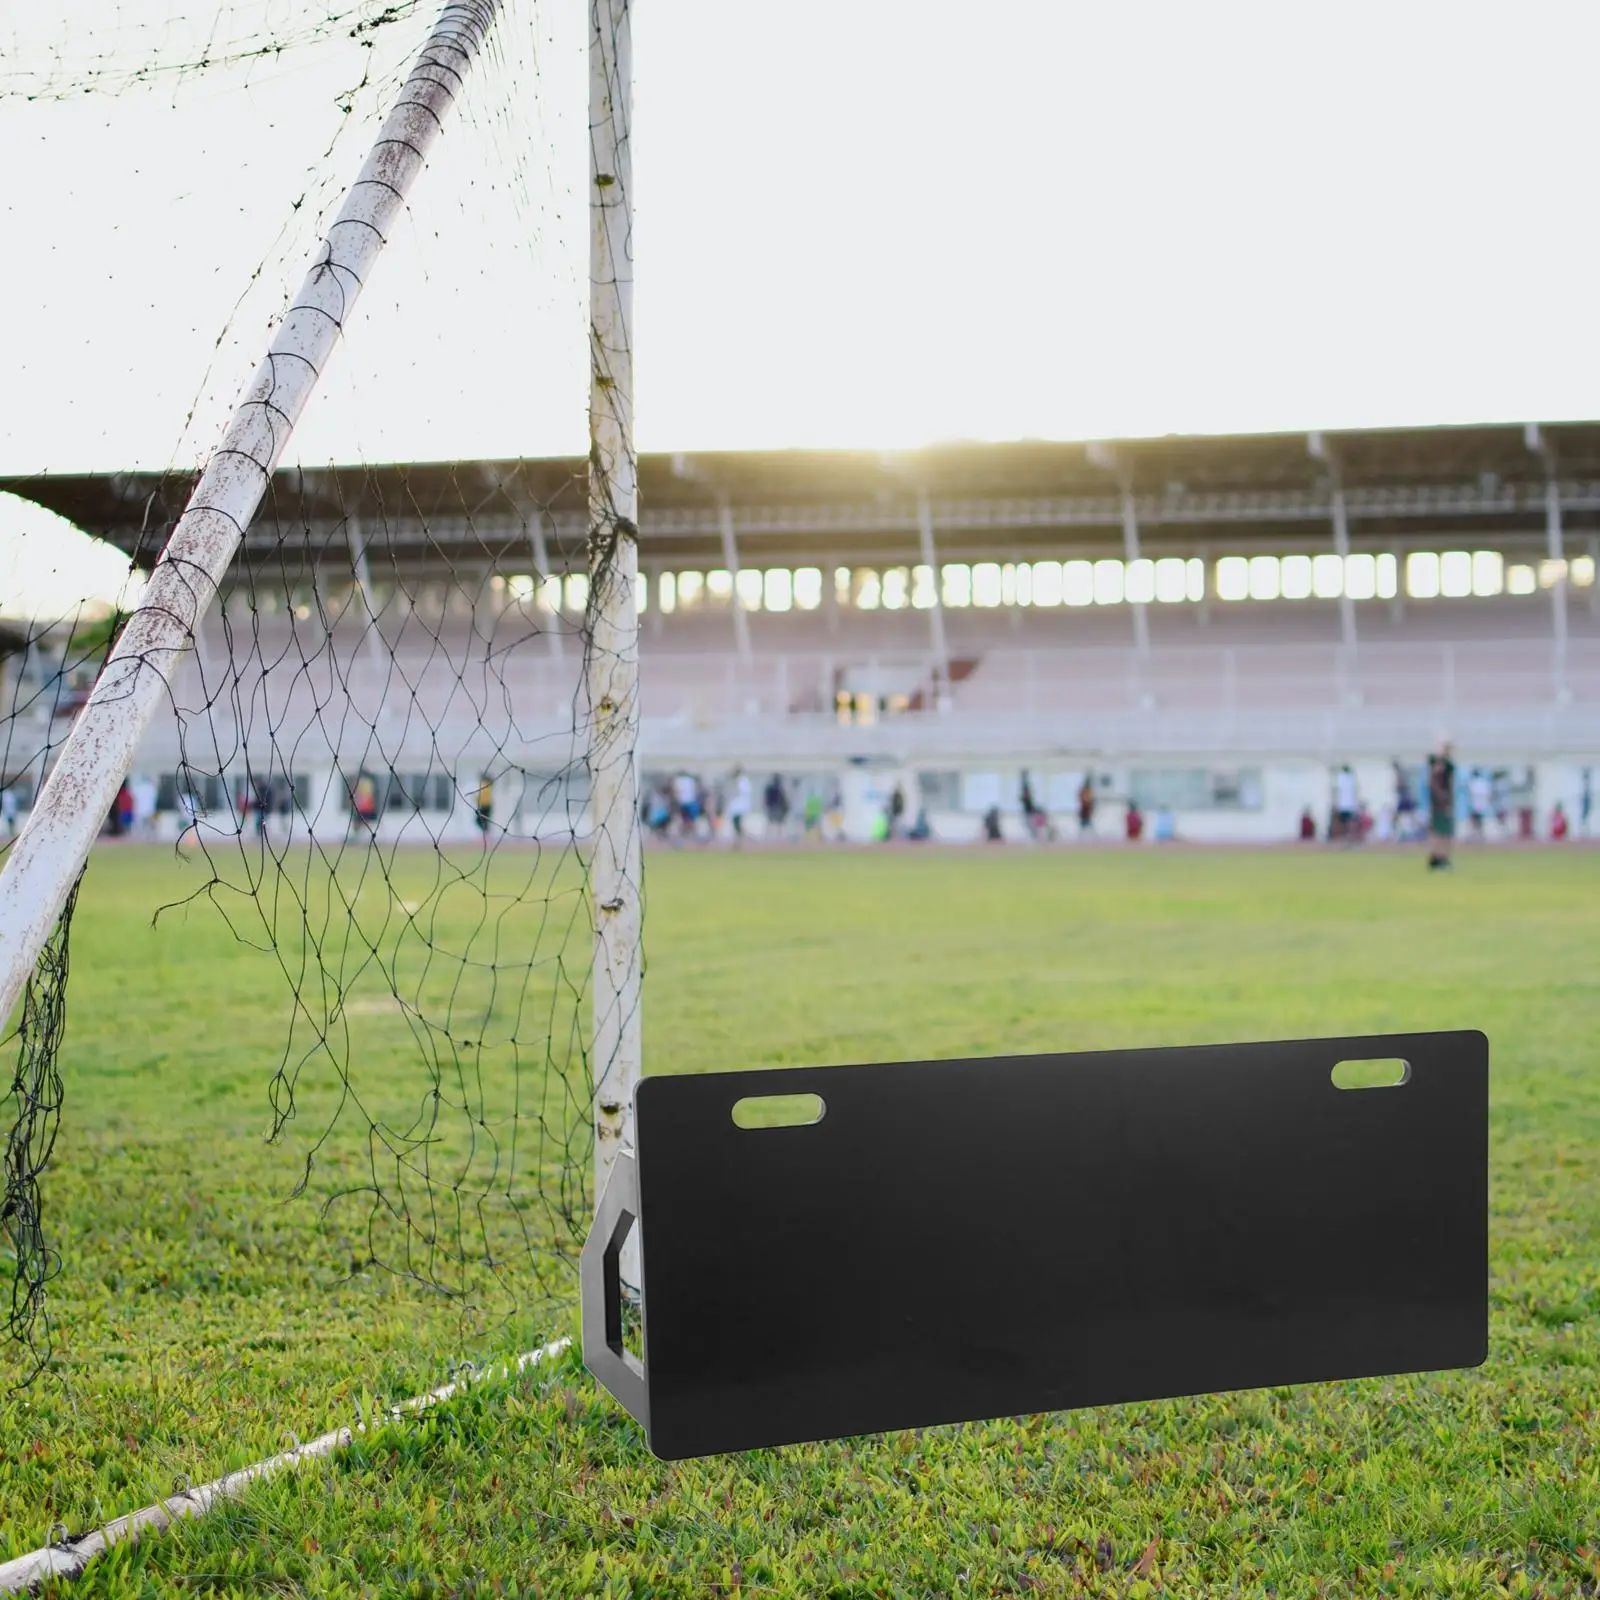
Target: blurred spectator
(921,828)
(1585,803)
(1133,822)
(1166,824)
(991,825)
(1308,825)
(124,809)
(8,812)
(1086,804)
(1500,800)
(1558,822)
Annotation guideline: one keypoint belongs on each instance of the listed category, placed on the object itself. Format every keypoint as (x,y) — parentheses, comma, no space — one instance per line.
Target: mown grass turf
(201,1316)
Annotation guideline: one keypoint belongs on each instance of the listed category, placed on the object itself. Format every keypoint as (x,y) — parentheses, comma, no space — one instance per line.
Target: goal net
(353,705)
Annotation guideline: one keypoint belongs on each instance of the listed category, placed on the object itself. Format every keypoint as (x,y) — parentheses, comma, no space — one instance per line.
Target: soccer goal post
(53,847)
(401,792)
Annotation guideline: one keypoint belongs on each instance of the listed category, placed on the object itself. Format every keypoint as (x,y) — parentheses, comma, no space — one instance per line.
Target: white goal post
(49,855)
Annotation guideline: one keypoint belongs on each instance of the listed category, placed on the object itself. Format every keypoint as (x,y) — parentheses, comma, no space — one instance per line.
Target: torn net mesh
(374,756)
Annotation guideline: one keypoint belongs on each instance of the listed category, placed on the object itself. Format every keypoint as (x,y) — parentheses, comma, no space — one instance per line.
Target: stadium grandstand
(1205,624)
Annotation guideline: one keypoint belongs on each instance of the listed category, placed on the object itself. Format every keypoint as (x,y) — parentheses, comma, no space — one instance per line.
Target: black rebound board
(957,1240)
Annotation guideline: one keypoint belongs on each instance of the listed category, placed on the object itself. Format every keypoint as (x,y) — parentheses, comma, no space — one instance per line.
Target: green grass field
(204,1315)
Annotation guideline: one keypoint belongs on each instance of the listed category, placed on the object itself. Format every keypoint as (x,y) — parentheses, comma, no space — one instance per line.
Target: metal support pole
(373,638)
(51,851)
(1555,548)
(612,665)
(730,559)
(1556,545)
(541,566)
(1130,554)
(930,559)
(1319,450)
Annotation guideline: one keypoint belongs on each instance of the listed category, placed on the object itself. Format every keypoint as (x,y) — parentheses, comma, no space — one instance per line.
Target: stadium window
(1016,584)
(1521,580)
(1295,578)
(641,591)
(691,590)
(523,587)
(844,707)
(719,587)
(867,589)
(577,591)
(667,591)
(550,595)
(1197,579)
(1455,574)
(1107,583)
(1233,578)
(1264,578)
(749,585)
(1141,582)
(923,594)
(1077,583)
(896,589)
(1582,573)
(1488,572)
(955,584)
(1327,577)
(841,585)
(1422,575)
(1361,576)
(986,583)
(808,588)
(1388,576)
(1171,580)
(1047,583)
(777,593)
(1550,574)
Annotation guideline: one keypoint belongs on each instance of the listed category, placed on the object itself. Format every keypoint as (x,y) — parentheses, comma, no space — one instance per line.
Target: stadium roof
(1401,486)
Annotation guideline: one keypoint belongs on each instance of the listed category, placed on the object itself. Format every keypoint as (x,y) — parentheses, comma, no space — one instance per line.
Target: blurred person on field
(1133,823)
(188,817)
(812,822)
(1585,803)
(8,812)
(1500,801)
(1559,827)
(1441,807)
(739,804)
(1033,814)
(1166,824)
(658,811)
(1405,802)
(686,803)
(145,795)
(1346,803)
(1308,825)
(775,803)
(482,810)
(1086,804)
(897,813)
(1479,800)
(834,816)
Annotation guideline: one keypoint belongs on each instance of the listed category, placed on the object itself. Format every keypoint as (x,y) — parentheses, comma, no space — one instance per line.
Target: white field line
(68,1560)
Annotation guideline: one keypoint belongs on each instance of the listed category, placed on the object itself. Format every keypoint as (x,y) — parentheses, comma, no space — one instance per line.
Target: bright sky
(859,222)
